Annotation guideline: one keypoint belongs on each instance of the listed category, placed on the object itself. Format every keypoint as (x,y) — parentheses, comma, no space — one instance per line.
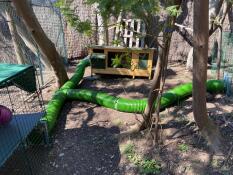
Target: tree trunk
(218,10)
(189,63)
(45,45)
(219,55)
(96,28)
(200,56)
(159,73)
(118,33)
(152,94)
(101,29)
(23,33)
(219,19)
(156,82)
(214,9)
(15,38)
(106,33)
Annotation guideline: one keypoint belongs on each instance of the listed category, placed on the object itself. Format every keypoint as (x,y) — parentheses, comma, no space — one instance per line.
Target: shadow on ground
(83,149)
(86,149)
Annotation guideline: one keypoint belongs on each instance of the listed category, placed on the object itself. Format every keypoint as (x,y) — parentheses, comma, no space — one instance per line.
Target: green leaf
(116,62)
(72,19)
(183,147)
(174,10)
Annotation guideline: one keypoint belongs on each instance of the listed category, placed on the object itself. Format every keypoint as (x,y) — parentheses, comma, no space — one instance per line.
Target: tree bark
(152,94)
(106,33)
(217,13)
(219,10)
(15,38)
(219,55)
(118,33)
(101,31)
(45,45)
(186,36)
(23,33)
(214,9)
(189,63)
(159,72)
(222,12)
(200,55)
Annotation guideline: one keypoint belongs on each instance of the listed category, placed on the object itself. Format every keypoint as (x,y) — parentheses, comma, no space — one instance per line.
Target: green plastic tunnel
(169,98)
(67,92)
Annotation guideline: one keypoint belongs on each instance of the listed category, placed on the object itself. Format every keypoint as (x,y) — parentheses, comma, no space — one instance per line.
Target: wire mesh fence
(227,52)
(22,135)
(16,42)
(226,60)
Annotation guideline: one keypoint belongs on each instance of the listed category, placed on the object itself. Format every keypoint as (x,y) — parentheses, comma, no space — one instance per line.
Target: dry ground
(85,143)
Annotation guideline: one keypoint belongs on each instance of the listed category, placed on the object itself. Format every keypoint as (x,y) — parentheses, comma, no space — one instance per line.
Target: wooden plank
(118,50)
(90,50)
(134,62)
(150,63)
(143,50)
(106,60)
(122,71)
(140,72)
(114,71)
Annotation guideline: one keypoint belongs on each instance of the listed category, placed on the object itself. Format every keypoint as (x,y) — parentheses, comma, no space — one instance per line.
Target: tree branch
(186,35)
(220,17)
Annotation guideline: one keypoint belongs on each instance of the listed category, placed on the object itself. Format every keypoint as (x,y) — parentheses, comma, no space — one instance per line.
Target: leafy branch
(174,10)
(73,20)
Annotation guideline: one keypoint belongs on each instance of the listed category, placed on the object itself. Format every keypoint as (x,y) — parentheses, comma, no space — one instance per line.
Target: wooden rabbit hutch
(121,61)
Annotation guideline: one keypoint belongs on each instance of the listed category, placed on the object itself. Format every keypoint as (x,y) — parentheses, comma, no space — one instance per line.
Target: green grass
(146,166)
(183,147)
